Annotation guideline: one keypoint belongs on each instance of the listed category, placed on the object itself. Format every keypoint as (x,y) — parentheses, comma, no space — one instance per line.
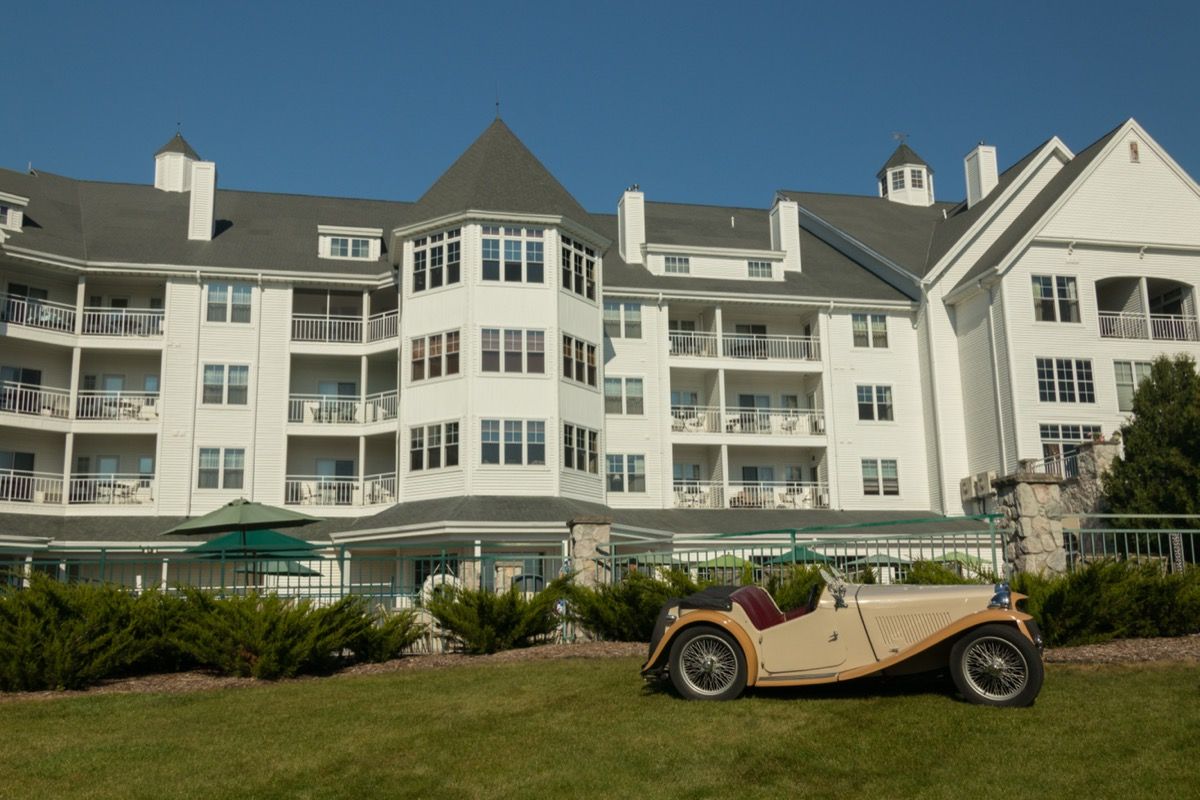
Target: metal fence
(1137,537)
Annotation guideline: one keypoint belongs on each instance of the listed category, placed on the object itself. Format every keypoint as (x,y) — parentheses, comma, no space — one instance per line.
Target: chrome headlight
(1002,598)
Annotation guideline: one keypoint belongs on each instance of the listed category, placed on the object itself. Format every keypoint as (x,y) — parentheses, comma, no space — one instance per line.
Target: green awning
(254,543)
(878,560)
(651,559)
(727,561)
(801,555)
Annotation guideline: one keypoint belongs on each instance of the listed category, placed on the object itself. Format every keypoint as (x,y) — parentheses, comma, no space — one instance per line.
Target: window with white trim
(1055,298)
(897,179)
(875,403)
(581,448)
(433,446)
(225,385)
(622,320)
(523,444)
(228,302)
(917,178)
(579,361)
(1065,380)
(626,473)
(1130,375)
(760,269)
(677,265)
(514,253)
(349,247)
(214,471)
(880,476)
(434,356)
(513,351)
(437,260)
(578,268)
(870,330)
(624,396)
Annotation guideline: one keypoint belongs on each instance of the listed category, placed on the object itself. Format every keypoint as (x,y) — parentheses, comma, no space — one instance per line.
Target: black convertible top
(714,597)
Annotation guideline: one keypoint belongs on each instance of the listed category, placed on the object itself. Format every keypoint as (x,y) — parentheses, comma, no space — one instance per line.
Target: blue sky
(697,102)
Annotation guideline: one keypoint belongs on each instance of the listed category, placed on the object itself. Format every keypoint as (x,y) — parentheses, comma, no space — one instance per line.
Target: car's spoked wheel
(996,665)
(996,669)
(707,664)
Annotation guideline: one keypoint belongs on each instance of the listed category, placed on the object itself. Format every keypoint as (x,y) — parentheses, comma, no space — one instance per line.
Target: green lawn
(591,728)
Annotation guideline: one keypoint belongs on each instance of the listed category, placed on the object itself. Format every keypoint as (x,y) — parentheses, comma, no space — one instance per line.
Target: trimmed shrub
(269,637)
(1113,600)
(791,588)
(933,573)
(389,637)
(626,611)
(483,621)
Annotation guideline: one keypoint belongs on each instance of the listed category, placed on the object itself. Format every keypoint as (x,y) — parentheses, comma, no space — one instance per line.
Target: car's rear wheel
(707,664)
(995,665)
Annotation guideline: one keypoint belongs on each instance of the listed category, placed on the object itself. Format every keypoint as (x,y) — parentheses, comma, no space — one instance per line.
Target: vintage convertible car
(715,643)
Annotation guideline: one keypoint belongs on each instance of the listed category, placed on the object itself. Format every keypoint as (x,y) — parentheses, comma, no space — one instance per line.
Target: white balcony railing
(699,494)
(775,421)
(1063,466)
(379,489)
(384,325)
(693,343)
(123,406)
(326,328)
(1164,327)
(381,406)
(771,346)
(322,490)
(696,419)
(39,488)
(111,489)
(122,321)
(778,494)
(26,398)
(33,313)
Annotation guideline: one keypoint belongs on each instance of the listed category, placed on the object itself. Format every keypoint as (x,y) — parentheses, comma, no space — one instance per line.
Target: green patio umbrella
(801,555)
(279,567)
(255,543)
(656,559)
(242,516)
(877,560)
(960,558)
(727,561)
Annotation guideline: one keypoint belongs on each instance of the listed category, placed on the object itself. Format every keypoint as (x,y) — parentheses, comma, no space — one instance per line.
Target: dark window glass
(453,259)
(435,356)
(535,352)
(452,353)
(451,444)
(490,441)
(420,260)
(512,351)
(436,266)
(491,349)
(514,452)
(512,260)
(491,259)
(535,436)
(418,359)
(416,449)
(433,446)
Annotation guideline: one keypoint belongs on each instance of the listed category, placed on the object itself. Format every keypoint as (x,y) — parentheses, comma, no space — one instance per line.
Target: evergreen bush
(390,636)
(626,611)
(933,573)
(484,621)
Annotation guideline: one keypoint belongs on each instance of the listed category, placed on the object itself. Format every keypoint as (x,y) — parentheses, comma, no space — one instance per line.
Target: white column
(74,385)
(719,322)
(366,315)
(162,584)
(362,465)
(725,476)
(68,460)
(823,325)
(362,390)
(80,298)
(1143,290)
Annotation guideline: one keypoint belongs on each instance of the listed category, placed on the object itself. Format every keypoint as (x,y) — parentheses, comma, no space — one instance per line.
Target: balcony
(328,409)
(24,398)
(699,494)
(778,494)
(773,347)
(345,329)
(39,488)
(754,421)
(33,313)
(117,406)
(1159,327)
(122,321)
(111,489)
(329,490)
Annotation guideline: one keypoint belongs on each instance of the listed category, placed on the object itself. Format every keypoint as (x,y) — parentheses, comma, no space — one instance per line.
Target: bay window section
(437,260)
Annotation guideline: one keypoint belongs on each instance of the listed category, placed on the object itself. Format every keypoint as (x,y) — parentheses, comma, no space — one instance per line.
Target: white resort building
(492,361)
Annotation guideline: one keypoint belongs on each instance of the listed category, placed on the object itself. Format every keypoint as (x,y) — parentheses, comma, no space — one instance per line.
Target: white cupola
(173,165)
(906,178)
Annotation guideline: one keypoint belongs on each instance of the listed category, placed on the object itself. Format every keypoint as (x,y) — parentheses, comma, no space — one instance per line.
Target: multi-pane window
(870,330)
(632,314)
(760,269)
(624,396)
(1130,375)
(1060,446)
(917,178)
(875,403)
(229,302)
(581,449)
(578,268)
(437,260)
(523,351)
(626,473)
(897,179)
(1065,380)
(348,247)
(226,385)
(213,471)
(523,254)
(416,448)
(1055,298)
(579,361)
(880,476)
(524,442)
(677,265)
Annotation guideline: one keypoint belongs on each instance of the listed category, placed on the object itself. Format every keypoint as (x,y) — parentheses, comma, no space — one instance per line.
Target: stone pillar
(1032,523)
(589,540)
(1083,492)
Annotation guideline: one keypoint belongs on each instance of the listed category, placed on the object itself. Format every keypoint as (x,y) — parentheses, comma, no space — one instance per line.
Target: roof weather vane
(900,137)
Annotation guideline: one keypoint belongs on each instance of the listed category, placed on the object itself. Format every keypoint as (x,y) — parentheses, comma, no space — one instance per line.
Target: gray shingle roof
(178,144)
(139,530)
(498,173)
(712,521)
(1037,208)
(903,155)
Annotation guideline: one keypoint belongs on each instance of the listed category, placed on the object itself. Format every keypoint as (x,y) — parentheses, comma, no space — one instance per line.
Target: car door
(811,643)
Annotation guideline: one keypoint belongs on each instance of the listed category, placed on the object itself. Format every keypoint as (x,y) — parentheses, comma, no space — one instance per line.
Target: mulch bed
(1123,651)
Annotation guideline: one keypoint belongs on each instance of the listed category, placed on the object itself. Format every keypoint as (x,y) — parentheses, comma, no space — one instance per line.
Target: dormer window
(12,211)
(355,244)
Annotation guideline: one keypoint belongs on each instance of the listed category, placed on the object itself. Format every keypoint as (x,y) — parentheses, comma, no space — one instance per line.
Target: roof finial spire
(497,99)
(900,137)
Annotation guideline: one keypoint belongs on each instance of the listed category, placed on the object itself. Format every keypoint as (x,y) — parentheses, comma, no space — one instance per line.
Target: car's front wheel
(995,665)
(707,664)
